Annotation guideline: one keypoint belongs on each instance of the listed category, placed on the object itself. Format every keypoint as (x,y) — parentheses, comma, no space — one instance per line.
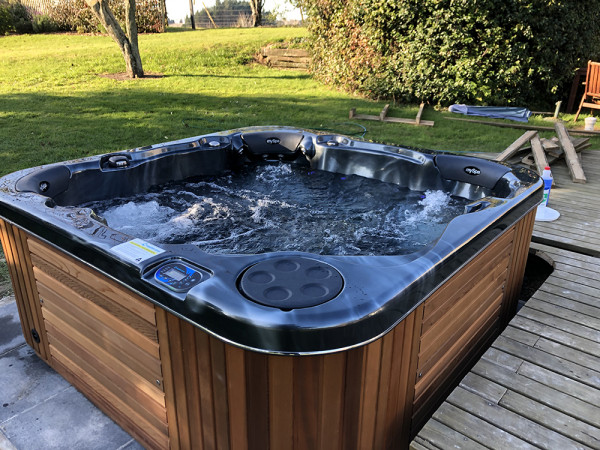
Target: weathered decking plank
(578,227)
(539,383)
(507,420)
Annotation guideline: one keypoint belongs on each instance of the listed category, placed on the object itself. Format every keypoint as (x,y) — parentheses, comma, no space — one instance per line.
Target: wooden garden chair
(591,96)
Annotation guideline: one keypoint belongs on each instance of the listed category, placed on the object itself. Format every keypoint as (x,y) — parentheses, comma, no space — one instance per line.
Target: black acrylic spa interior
(273,244)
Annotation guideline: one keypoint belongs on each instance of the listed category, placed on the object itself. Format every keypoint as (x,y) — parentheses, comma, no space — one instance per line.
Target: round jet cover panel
(291,282)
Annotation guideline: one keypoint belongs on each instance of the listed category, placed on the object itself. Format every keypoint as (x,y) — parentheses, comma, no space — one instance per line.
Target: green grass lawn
(54,105)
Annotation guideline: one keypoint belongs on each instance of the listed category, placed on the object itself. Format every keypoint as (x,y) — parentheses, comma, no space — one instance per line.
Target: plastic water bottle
(543,213)
(547,177)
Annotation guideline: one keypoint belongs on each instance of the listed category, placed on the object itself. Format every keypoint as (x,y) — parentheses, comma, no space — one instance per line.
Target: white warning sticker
(137,250)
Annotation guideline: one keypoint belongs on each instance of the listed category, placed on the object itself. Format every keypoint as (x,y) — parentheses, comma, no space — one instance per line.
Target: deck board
(539,382)
(578,227)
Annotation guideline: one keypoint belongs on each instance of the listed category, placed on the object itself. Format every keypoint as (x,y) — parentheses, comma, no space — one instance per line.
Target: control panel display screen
(178,276)
(175,274)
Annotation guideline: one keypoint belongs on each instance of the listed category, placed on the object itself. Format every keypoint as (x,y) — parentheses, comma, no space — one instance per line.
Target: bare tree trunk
(163,16)
(193,21)
(127,42)
(132,34)
(256,6)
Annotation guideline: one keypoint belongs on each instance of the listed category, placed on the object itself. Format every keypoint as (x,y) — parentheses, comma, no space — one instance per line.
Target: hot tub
(187,347)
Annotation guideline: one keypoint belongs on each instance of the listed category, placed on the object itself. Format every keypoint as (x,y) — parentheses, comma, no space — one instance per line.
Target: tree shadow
(298,76)
(41,128)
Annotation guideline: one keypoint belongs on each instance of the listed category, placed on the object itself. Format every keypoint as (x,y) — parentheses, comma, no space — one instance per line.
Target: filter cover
(291,282)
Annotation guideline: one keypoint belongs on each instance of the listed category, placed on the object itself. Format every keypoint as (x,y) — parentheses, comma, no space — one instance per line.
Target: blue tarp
(497,112)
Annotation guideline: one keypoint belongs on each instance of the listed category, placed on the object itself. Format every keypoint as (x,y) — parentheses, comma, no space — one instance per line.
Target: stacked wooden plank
(285,58)
(542,152)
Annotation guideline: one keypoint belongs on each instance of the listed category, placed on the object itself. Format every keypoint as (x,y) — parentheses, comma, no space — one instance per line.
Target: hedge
(453,51)
(74,15)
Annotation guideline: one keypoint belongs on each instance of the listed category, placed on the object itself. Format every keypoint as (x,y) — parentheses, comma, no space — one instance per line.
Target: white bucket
(590,122)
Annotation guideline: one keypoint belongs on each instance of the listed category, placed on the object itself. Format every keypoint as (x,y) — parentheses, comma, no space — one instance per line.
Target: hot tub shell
(213,369)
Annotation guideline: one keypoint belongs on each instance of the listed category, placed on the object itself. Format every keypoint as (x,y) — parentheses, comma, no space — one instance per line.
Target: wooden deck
(538,386)
(578,227)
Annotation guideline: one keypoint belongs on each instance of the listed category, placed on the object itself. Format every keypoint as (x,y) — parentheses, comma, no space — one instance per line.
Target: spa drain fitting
(291,282)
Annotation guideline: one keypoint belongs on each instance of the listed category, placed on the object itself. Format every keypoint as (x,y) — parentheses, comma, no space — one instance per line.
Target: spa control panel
(177,276)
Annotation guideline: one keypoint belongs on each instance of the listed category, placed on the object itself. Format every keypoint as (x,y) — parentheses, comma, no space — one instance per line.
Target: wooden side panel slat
(524,229)
(236,388)
(219,383)
(257,400)
(146,330)
(371,376)
(168,378)
(332,404)
(459,347)
(305,405)
(386,380)
(32,295)
(281,400)
(355,360)
(455,323)
(104,286)
(108,402)
(191,374)
(143,363)
(15,271)
(16,252)
(97,309)
(205,389)
(179,386)
(430,398)
(108,350)
(444,298)
(107,373)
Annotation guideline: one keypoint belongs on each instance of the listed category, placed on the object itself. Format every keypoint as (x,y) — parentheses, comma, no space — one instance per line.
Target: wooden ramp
(578,227)
(538,386)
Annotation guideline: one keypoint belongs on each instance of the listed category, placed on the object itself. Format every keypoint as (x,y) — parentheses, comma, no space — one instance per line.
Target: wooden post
(571,157)
(556,111)
(420,113)
(383,112)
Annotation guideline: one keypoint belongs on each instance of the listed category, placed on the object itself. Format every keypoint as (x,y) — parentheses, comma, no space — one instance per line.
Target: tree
(128,42)
(256,6)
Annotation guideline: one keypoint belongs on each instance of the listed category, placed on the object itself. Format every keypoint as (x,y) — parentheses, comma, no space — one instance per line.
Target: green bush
(21,17)
(75,15)
(446,51)
(6,25)
(44,24)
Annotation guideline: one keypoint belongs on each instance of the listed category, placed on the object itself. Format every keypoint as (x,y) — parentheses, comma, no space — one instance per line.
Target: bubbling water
(285,207)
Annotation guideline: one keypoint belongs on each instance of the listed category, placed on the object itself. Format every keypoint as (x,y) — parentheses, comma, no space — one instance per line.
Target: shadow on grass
(39,129)
(295,76)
